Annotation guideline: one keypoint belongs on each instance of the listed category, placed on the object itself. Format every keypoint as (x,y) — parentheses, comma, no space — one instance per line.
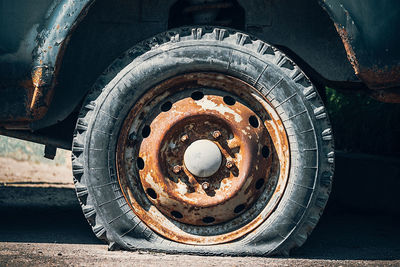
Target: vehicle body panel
(29,73)
(370,33)
(32,50)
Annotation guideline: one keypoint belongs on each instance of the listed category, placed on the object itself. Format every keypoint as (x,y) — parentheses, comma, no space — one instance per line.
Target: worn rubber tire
(204,49)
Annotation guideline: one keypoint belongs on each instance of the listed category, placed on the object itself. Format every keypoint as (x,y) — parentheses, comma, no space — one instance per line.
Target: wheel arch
(53,36)
(95,37)
(100,33)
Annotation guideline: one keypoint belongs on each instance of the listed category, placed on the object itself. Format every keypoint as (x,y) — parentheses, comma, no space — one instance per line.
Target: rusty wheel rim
(167,194)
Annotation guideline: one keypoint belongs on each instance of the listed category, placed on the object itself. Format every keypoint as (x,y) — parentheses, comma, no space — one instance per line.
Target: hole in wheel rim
(197,95)
(176,214)
(146,131)
(260,183)
(140,163)
(166,106)
(254,121)
(151,193)
(265,151)
(229,100)
(208,219)
(239,208)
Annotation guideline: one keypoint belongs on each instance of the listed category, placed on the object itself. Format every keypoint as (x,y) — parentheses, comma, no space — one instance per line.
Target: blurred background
(22,163)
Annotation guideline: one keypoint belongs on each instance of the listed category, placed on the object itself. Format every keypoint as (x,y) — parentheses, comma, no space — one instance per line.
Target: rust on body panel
(369,36)
(348,47)
(374,76)
(37,79)
(48,55)
(378,77)
(386,95)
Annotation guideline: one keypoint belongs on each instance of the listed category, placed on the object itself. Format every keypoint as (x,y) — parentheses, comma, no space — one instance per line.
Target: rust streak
(375,77)
(37,82)
(351,55)
(378,77)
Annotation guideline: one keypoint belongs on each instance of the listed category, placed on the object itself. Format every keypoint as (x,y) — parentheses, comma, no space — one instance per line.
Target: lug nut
(177,169)
(132,138)
(229,164)
(205,185)
(184,138)
(216,134)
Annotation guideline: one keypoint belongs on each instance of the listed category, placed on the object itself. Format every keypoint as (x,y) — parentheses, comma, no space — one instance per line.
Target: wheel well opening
(226,13)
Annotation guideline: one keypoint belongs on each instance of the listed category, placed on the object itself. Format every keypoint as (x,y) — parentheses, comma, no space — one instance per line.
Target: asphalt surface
(42,226)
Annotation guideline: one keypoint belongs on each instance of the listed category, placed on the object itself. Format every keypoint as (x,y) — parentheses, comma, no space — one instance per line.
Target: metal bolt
(132,136)
(184,138)
(216,134)
(205,185)
(229,164)
(177,169)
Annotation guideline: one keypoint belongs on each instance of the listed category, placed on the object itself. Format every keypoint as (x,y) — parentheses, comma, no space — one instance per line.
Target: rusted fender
(52,40)
(370,33)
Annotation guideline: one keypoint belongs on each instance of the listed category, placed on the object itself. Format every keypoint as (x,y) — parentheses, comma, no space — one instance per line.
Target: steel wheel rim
(177,216)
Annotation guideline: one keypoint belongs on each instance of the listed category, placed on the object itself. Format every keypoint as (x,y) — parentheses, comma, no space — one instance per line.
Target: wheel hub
(202,158)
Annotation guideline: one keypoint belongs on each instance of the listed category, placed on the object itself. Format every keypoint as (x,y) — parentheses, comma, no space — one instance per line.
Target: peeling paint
(208,104)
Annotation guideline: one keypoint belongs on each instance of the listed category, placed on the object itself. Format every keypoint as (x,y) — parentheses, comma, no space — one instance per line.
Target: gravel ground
(17,254)
(37,234)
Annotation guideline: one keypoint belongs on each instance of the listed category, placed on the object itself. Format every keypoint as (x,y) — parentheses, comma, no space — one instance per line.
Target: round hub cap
(202,158)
